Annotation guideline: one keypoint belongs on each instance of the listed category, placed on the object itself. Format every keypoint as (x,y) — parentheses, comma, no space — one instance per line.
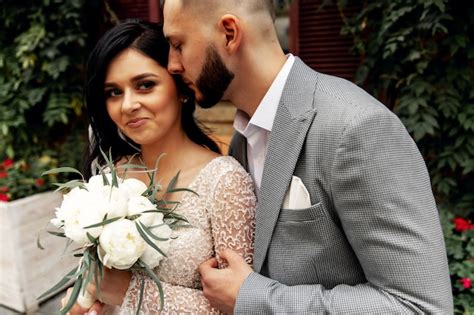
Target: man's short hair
(253,5)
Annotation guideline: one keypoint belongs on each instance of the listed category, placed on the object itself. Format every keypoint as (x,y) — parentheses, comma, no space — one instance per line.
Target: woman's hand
(97,307)
(113,288)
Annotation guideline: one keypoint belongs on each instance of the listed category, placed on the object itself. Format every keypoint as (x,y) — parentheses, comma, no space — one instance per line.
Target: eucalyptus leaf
(151,234)
(91,238)
(73,297)
(182,189)
(105,222)
(70,184)
(145,237)
(172,183)
(60,234)
(62,170)
(38,243)
(155,278)
(60,285)
(140,297)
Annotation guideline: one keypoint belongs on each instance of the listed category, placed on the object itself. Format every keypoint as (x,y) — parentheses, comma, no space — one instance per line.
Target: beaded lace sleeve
(228,218)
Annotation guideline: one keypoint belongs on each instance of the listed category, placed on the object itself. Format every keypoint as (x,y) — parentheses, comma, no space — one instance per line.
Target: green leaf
(74,294)
(152,175)
(69,185)
(150,233)
(91,239)
(182,189)
(113,173)
(98,277)
(127,166)
(60,285)
(143,234)
(140,298)
(38,243)
(172,183)
(105,181)
(62,170)
(60,234)
(105,222)
(155,278)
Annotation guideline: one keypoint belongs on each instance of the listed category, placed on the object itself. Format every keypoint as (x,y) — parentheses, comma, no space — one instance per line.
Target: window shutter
(317,39)
(131,9)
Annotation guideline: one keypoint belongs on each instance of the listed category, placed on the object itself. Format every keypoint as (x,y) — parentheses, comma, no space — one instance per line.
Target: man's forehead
(172,15)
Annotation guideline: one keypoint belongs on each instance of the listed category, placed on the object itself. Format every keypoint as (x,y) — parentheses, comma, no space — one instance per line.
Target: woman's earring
(122,136)
(184,100)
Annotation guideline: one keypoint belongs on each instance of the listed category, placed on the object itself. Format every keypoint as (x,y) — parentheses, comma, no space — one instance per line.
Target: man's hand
(221,286)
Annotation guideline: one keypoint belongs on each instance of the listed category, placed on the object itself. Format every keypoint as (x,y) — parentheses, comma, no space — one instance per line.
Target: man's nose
(174,64)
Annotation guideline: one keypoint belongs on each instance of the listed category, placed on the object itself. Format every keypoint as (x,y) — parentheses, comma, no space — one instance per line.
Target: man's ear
(231,27)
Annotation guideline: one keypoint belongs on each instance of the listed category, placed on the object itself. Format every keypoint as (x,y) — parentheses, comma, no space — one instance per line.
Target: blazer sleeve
(382,196)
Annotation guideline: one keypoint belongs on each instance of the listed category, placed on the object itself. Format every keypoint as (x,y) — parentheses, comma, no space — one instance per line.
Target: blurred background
(416,57)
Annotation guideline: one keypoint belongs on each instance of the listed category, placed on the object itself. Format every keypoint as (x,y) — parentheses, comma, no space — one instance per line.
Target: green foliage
(42,51)
(22,178)
(459,236)
(418,58)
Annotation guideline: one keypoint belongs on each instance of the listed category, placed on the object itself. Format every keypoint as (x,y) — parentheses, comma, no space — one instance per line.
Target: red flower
(461,225)
(466,282)
(8,163)
(39,182)
(4,197)
(4,189)
(3,174)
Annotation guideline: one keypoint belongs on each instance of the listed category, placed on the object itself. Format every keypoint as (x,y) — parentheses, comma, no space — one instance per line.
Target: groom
(346,220)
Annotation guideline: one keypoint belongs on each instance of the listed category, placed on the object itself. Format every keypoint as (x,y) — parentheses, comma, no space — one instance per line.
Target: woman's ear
(231,27)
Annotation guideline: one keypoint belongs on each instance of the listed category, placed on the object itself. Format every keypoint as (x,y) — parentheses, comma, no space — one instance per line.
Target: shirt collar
(266,110)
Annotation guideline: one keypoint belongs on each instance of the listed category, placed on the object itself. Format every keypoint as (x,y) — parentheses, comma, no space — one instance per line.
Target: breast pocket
(301,215)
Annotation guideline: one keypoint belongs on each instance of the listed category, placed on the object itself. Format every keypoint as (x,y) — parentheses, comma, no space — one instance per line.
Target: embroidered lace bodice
(222,216)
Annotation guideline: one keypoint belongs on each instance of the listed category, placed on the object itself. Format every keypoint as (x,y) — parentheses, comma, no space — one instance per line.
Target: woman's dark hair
(147,38)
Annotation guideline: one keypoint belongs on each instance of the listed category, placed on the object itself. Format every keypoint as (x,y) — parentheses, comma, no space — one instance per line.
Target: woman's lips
(136,123)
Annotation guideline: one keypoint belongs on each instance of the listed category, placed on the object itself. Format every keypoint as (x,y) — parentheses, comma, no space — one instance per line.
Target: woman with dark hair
(139,112)
(148,39)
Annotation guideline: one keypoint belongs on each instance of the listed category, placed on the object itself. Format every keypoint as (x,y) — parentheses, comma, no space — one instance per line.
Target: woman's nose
(130,103)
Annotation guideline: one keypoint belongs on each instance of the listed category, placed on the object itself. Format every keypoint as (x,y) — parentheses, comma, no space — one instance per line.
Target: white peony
(112,200)
(151,256)
(138,204)
(120,244)
(78,210)
(134,186)
(97,181)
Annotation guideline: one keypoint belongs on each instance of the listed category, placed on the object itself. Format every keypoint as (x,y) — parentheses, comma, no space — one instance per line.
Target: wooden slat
(26,271)
(320,43)
(126,9)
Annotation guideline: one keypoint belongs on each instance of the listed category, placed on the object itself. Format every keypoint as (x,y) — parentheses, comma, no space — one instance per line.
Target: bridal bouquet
(115,222)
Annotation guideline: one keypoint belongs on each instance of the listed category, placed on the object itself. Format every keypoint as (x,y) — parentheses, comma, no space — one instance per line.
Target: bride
(139,111)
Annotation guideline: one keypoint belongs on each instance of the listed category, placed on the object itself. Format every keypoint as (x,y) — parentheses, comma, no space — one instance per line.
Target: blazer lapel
(238,149)
(294,116)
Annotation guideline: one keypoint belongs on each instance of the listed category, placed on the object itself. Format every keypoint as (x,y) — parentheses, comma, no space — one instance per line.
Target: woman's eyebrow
(133,79)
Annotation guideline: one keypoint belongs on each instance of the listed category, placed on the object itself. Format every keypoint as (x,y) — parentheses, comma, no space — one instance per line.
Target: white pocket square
(297,196)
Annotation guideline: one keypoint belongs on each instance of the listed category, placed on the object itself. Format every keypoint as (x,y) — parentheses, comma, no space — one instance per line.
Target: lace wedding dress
(222,216)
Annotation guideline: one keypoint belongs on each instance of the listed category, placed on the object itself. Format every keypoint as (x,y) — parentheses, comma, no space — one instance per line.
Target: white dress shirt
(258,128)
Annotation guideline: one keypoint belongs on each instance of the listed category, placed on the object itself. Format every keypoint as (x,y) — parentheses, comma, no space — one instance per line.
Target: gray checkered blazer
(371,243)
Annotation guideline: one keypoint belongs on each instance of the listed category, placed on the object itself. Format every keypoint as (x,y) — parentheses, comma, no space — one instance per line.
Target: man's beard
(214,79)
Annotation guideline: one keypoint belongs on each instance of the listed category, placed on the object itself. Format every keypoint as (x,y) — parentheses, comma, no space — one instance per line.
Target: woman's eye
(112,93)
(146,85)
(176,47)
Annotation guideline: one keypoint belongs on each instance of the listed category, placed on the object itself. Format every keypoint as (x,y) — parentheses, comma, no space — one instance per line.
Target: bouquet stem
(85,299)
